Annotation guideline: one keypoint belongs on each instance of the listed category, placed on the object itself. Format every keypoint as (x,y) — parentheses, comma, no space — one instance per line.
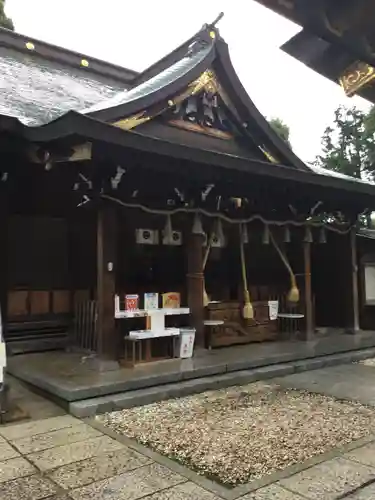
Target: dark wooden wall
(331,281)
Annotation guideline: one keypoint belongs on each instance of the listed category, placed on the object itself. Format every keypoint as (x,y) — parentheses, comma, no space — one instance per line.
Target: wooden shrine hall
(170,185)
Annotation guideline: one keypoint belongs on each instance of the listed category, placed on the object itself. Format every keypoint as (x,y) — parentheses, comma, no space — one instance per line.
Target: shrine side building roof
(326,58)
(40,82)
(337,40)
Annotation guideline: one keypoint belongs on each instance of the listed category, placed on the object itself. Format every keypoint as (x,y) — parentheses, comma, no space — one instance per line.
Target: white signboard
(370,284)
(3,358)
(273,306)
(187,338)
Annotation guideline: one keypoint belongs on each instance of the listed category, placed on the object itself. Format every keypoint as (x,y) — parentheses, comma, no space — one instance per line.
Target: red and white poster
(132,302)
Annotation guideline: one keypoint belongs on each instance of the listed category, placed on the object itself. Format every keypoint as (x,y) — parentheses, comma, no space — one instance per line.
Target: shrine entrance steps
(67,378)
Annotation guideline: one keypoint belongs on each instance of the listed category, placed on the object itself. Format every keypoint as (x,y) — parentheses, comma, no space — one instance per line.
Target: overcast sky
(135,34)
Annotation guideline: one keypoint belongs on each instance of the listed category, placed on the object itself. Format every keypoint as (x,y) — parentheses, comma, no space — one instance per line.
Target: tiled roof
(36,90)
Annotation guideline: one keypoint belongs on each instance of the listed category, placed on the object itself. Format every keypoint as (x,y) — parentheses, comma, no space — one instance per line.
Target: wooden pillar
(308,290)
(195,283)
(354,281)
(108,342)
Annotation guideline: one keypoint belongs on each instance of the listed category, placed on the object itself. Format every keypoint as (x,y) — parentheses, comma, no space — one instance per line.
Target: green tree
(281,128)
(348,146)
(5,21)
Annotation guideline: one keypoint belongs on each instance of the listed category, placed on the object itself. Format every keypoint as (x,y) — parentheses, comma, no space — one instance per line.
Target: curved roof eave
(174,78)
(249,110)
(74,123)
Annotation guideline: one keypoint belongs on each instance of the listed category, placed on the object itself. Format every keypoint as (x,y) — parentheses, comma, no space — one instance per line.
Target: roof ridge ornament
(218,18)
(211,27)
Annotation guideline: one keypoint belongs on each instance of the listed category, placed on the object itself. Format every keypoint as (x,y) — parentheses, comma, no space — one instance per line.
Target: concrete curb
(94,406)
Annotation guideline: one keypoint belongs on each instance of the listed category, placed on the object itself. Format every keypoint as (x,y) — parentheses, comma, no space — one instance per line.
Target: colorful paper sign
(171,300)
(131,302)
(151,301)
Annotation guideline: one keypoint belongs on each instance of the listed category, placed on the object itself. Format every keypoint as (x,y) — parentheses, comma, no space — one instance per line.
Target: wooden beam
(308,291)
(108,343)
(195,283)
(354,281)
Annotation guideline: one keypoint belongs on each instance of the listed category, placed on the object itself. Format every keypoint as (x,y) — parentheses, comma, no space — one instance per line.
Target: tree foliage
(348,146)
(281,128)
(5,21)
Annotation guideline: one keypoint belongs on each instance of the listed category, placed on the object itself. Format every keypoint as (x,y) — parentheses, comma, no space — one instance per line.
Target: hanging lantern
(266,235)
(197,226)
(322,235)
(191,110)
(168,232)
(308,235)
(219,237)
(245,234)
(287,235)
(237,202)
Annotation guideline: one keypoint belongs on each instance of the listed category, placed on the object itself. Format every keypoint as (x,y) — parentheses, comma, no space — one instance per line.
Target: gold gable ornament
(356,77)
(132,121)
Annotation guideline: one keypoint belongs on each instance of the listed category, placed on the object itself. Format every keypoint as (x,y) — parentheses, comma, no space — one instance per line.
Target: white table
(289,328)
(150,334)
(212,322)
(142,313)
(290,316)
(157,328)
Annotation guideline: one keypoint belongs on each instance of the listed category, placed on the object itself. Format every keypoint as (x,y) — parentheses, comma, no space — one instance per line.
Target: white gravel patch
(243,433)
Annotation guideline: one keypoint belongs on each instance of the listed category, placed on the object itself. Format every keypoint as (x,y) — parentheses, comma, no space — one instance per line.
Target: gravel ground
(243,433)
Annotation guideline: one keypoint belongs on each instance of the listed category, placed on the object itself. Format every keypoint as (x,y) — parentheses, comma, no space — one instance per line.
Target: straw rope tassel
(206,299)
(248,311)
(293,295)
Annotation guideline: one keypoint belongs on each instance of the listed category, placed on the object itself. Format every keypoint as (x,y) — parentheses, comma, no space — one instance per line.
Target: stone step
(139,397)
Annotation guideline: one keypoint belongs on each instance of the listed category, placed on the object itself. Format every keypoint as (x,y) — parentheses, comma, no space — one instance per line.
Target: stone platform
(68,379)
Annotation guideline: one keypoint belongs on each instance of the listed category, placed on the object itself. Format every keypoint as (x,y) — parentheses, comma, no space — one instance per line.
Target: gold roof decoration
(132,121)
(356,77)
(207,80)
(268,155)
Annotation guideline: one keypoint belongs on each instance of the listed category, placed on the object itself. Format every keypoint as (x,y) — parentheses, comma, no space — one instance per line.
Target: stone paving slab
(27,488)
(97,468)
(365,455)
(330,479)
(131,485)
(15,468)
(19,431)
(367,493)
(7,451)
(351,382)
(67,454)
(69,435)
(273,492)
(185,491)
